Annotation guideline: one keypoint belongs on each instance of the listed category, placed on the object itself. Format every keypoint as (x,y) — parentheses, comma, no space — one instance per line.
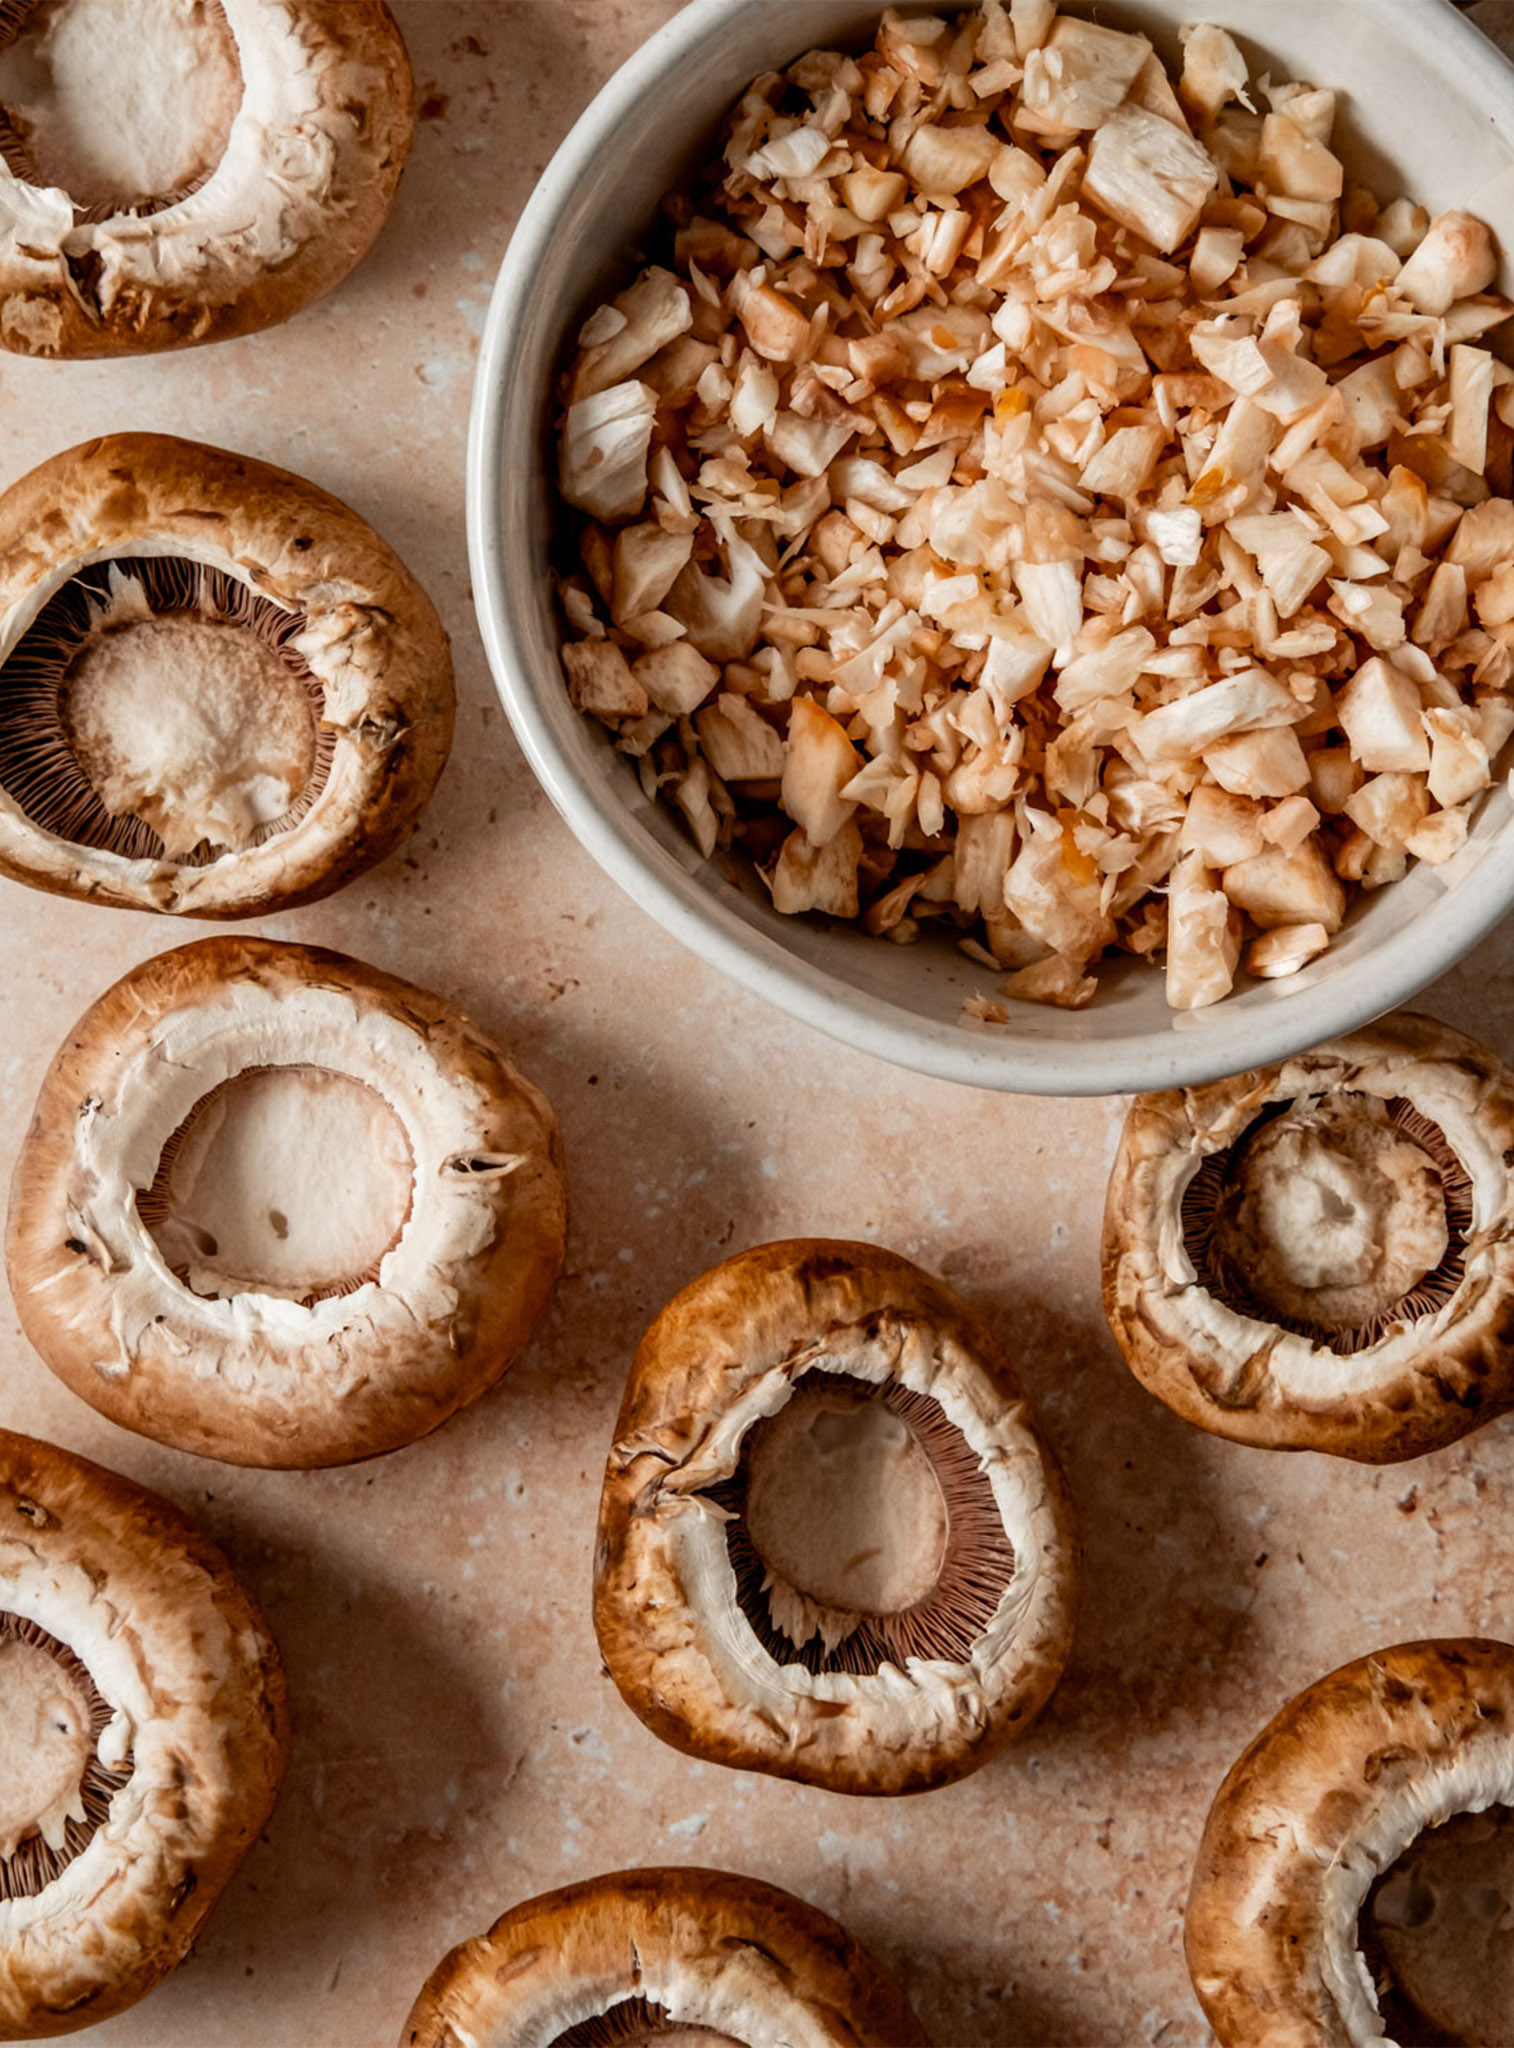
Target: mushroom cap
(1429,1378)
(1332,1792)
(184,1660)
(371,637)
(311,165)
(727,1352)
(738,1957)
(259,1380)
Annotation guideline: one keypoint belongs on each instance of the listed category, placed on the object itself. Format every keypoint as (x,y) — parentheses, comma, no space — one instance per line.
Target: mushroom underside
(169,73)
(639,2023)
(54,1791)
(1342,1218)
(862,1530)
(158,708)
(1437,1934)
(293,1181)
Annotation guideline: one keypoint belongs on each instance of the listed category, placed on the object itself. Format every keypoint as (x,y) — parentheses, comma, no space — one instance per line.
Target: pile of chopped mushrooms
(1050,500)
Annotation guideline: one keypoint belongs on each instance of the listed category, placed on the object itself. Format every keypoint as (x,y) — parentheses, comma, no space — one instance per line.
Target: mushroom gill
(862,1530)
(639,2023)
(54,1791)
(1437,1933)
(292,1181)
(1339,1217)
(168,73)
(159,708)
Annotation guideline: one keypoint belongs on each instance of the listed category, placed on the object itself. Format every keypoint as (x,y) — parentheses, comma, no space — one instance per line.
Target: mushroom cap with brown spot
(727,1350)
(268,1382)
(728,1954)
(314,155)
(371,635)
(1332,1792)
(1430,1377)
(184,1659)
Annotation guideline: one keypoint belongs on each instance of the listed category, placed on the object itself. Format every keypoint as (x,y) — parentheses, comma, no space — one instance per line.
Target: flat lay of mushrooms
(143,1736)
(833,1545)
(663,1959)
(280,1208)
(1318,1256)
(221,693)
(1354,1871)
(1034,496)
(182,171)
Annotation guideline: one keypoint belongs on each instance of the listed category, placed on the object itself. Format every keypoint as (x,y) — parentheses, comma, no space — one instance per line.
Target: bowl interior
(1427,109)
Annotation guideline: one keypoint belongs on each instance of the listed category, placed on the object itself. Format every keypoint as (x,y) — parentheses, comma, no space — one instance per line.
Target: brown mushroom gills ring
(862,1530)
(638,2023)
(170,73)
(54,1790)
(1436,1934)
(157,708)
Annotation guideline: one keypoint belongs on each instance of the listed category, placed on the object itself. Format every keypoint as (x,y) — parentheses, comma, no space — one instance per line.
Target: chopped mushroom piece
(1042,474)
(1285,949)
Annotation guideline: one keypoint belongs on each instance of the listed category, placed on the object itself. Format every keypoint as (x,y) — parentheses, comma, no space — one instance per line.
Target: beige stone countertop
(458,1746)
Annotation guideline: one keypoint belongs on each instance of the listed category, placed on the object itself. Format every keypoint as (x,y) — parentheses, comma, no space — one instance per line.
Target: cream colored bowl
(1427,110)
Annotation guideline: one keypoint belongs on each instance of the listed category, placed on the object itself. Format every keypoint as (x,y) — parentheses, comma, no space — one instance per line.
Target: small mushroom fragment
(1341,1894)
(182,171)
(145,1732)
(221,693)
(832,1543)
(279,1208)
(663,1959)
(1318,1256)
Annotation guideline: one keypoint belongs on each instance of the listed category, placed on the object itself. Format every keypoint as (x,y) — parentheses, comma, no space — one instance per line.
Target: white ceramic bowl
(1427,109)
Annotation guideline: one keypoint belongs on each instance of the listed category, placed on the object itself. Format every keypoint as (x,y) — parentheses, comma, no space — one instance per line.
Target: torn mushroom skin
(1294,1936)
(145,1732)
(247,160)
(279,1208)
(1008,433)
(693,1958)
(833,1545)
(221,693)
(1317,1256)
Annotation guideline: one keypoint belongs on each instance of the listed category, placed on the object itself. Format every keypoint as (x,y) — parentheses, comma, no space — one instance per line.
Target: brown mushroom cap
(298,178)
(862,1695)
(1319,1256)
(271,1364)
(191,1724)
(371,672)
(1327,1797)
(699,1955)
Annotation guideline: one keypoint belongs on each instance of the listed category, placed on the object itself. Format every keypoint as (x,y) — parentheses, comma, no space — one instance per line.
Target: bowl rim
(1401,965)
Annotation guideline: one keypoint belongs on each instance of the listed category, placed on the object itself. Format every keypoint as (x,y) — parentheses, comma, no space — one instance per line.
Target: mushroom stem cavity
(1339,1217)
(863,1530)
(54,1790)
(290,1181)
(1435,1933)
(125,105)
(639,2023)
(158,708)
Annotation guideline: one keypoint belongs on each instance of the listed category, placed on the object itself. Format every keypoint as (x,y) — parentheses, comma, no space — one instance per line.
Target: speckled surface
(458,1746)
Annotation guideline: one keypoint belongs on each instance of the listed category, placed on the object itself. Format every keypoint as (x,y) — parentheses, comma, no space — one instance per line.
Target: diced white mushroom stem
(1149,176)
(1203,937)
(1379,712)
(818,763)
(602,465)
(1456,259)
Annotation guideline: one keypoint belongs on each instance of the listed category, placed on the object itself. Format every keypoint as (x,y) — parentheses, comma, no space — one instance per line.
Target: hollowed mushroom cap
(700,1957)
(1328,1796)
(897,1693)
(1319,1256)
(349,1108)
(159,1656)
(348,667)
(306,111)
